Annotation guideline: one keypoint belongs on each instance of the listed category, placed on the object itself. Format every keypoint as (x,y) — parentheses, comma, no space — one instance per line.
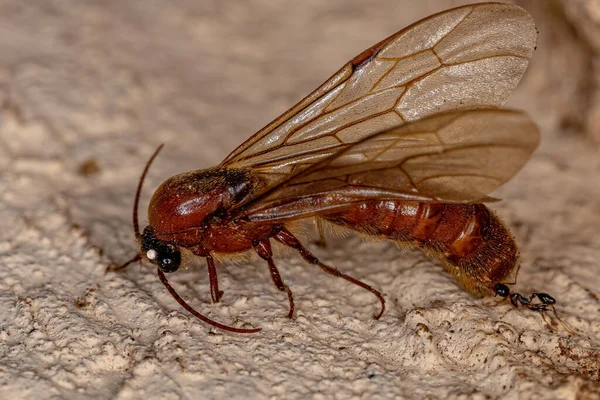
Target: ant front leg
(215,293)
(263,249)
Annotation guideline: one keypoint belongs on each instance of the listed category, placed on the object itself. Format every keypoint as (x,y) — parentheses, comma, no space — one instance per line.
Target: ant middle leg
(263,249)
(215,293)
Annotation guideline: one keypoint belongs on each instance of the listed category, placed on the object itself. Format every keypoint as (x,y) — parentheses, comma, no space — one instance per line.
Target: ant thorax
(191,199)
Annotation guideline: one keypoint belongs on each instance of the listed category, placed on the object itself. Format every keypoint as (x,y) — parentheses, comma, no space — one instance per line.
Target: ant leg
(285,237)
(548,304)
(215,293)
(263,249)
(562,323)
(114,268)
(542,308)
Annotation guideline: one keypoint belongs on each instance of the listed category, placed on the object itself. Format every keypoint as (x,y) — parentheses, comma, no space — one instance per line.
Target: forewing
(455,157)
(464,58)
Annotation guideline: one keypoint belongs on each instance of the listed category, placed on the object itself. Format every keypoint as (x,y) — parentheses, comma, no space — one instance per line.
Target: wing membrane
(456,157)
(464,58)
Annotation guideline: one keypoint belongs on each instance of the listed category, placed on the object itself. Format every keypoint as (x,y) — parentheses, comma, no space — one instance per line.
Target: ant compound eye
(501,290)
(169,260)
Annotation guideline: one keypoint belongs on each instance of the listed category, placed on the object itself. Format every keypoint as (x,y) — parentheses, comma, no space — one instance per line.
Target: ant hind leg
(285,237)
(263,249)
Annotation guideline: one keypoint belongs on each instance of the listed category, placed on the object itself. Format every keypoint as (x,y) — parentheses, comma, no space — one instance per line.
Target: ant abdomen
(473,244)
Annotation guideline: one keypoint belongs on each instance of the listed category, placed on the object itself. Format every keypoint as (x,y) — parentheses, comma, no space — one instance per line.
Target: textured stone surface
(100,84)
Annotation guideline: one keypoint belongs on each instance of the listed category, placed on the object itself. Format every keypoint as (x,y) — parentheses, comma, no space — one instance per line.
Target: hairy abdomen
(469,239)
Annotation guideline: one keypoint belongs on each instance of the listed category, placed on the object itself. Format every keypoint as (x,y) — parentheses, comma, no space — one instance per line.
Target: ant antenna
(195,313)
(136,224)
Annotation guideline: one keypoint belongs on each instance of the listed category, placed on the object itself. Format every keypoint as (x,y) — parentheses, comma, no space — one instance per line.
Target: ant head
(164,255)
(500,289)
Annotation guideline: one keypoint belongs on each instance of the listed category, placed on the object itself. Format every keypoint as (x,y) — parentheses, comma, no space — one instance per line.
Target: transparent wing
(464,58)
(456,157)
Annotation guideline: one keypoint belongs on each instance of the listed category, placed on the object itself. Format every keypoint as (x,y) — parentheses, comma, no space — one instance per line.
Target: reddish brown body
(470,240)
(404,142)
(472,243)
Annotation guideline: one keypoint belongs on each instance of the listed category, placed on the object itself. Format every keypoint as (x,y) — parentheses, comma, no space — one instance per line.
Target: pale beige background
(110,80)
